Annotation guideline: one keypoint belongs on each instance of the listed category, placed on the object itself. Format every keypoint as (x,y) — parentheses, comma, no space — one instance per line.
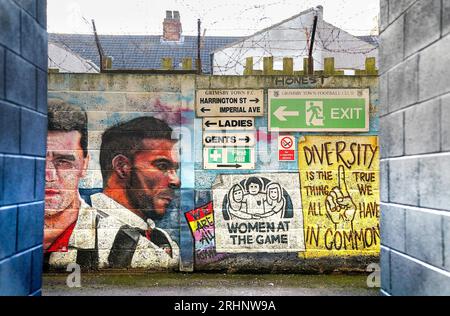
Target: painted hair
(126,138)
(253,180)
(65,117)
(231,200)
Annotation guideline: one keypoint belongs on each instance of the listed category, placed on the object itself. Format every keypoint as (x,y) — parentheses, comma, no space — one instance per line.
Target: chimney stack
(172,26)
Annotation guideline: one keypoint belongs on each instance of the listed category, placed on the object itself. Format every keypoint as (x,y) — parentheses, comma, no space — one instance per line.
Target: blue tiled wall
(23,131)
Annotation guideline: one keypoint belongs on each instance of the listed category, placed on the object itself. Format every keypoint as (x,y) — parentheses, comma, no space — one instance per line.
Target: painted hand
(340,206)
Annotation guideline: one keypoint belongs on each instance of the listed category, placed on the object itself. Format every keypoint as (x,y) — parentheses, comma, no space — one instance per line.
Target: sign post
(235,103)
(229,123)
(228,139)
(319,110)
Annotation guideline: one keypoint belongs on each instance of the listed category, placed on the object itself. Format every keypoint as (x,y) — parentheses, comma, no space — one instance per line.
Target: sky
(218,17)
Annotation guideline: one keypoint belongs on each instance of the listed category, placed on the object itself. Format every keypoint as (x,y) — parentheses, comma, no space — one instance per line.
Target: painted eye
(63,164)
(163,166)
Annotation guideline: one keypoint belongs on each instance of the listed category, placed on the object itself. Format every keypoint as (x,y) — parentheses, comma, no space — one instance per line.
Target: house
(133,52)
(65,60)
(291,38)
(220,55)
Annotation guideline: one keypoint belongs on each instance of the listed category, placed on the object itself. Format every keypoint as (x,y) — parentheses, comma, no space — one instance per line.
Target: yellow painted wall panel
(340,195)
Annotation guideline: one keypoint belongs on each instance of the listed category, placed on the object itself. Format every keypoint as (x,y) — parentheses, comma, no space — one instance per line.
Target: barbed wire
(329,38)
(251,12)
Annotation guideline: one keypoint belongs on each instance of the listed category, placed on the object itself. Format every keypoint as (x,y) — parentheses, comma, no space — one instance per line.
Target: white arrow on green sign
(319,110)
(229,158)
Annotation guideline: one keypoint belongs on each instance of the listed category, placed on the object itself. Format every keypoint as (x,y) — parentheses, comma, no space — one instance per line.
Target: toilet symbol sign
(286,148)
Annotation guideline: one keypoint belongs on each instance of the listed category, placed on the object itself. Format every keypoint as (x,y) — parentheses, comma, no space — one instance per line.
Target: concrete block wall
(112,97)
(414,140)
(23,132)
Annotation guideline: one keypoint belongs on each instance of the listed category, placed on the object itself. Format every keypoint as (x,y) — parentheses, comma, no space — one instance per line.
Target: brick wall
(23,129)
(415,143)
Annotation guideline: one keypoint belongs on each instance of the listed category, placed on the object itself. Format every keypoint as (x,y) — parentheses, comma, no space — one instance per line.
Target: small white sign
(228,139)
(229,124)
(236,103)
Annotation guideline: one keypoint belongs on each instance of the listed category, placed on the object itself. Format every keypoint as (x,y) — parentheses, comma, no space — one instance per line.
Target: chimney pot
(172,27)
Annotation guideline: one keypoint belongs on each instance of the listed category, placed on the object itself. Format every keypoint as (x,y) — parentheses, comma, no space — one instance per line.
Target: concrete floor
(201,284)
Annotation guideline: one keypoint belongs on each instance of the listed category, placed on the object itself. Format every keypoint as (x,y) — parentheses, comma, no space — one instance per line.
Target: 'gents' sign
(228,139)
(229,103)
(319,110)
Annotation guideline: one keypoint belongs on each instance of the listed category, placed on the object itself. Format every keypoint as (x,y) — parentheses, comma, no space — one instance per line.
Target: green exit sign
(319,110)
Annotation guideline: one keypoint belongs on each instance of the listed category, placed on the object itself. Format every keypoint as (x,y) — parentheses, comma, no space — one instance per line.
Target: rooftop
(142,51)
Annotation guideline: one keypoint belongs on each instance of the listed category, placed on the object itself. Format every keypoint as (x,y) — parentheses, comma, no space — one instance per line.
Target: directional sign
(228,139)
(228,123)
(229,158)
(319,110)
(229,103)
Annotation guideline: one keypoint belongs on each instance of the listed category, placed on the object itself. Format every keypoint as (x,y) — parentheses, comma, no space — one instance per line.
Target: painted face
(253,188)
(65,166)
(154,177)
(273,194)
(237,194)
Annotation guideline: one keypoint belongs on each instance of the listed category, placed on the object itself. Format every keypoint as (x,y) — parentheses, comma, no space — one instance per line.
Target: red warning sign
(286,148)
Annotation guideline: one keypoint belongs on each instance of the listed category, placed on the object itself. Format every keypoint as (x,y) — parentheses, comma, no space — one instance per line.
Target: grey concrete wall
(23,130)
(414,140)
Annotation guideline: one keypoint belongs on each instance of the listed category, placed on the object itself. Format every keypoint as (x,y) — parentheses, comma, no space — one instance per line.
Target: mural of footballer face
(153,177)
(65,166)
(66,162)
(139,162)
(66,158)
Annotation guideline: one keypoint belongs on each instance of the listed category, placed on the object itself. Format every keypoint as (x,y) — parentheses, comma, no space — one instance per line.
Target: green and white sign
(230,158)
(318,110)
